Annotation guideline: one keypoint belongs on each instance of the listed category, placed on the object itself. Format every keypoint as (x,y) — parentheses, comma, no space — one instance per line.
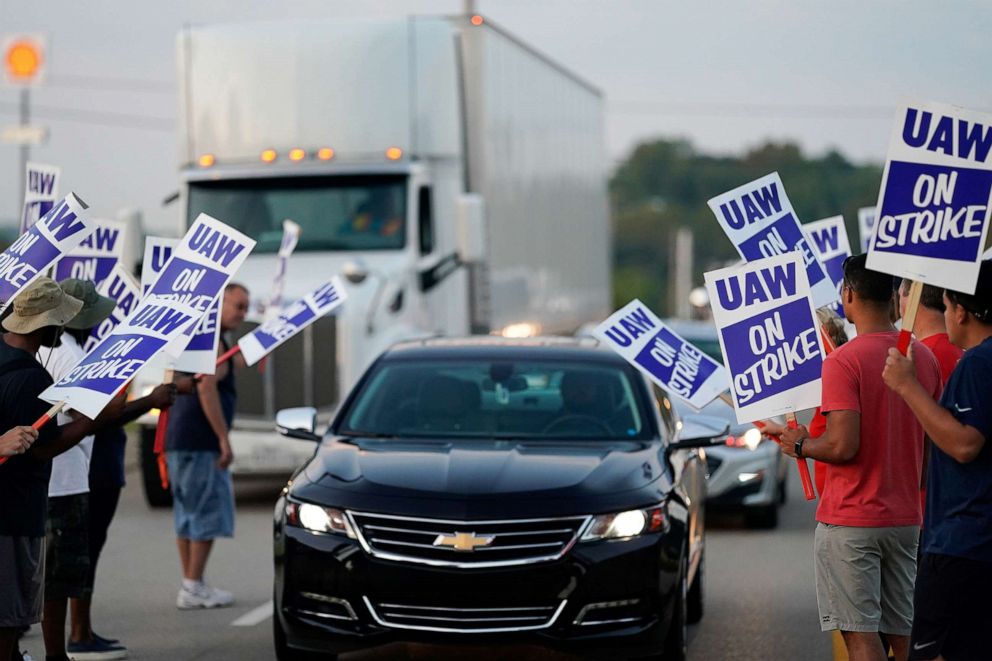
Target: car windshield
(334,213)
(511,400)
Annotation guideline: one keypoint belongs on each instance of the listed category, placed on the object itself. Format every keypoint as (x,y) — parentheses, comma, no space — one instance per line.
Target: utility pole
(25,121)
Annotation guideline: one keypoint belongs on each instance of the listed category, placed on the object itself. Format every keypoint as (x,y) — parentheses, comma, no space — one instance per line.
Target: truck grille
(464,620)
(466,544)
(303,372)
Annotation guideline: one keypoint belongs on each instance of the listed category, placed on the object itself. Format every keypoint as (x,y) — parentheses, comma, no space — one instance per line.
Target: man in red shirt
(930,328)
(869,516)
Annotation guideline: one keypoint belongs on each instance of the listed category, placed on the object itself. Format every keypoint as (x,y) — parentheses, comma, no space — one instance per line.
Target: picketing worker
(35,319)
(17,441)
(70,561)
(869,515)
(952,618)
(198,453)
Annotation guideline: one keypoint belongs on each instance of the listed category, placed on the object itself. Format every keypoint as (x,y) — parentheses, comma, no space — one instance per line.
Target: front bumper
(601,600)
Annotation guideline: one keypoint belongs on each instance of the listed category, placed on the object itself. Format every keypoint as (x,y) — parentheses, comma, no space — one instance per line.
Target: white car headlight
(624,525)
(319,519)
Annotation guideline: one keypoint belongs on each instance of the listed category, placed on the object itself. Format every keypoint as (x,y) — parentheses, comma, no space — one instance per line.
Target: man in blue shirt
(952,617)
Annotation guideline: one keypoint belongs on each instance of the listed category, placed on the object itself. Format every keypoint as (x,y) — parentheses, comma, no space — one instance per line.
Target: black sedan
(490,491)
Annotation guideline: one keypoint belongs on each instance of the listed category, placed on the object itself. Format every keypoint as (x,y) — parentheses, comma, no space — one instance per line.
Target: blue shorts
(202,494)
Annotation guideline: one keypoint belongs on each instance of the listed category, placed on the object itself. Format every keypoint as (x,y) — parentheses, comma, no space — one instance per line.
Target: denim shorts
(202,494)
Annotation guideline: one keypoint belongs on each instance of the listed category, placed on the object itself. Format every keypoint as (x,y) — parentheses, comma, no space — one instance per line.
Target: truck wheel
(155,495)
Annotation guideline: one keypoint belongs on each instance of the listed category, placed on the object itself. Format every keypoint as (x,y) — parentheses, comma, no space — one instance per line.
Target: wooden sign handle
(909,317)
(804,476)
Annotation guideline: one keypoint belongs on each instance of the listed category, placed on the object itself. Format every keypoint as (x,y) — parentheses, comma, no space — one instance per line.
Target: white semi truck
(453,174)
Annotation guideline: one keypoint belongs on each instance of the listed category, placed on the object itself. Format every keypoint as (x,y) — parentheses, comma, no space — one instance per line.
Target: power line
(99,118)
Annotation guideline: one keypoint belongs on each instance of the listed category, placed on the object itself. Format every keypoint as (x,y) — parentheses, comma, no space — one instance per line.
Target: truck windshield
(492,400)
(335,213)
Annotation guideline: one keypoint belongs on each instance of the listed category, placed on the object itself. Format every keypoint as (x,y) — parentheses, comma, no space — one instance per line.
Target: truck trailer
(454,175)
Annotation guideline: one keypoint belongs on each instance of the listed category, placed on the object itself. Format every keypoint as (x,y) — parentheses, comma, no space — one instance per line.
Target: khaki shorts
(865,577)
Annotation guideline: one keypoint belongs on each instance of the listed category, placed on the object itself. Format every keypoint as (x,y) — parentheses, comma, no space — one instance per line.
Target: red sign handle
(804,475)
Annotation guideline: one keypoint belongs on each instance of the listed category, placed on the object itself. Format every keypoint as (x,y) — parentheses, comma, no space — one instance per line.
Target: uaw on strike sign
(201,266)
(760,221)
(32,253)
(291,320)
(936,197)
(769,335)
(94,258)
(829,240)
(681,369)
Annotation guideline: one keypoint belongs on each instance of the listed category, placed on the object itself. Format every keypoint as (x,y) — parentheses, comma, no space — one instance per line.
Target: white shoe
(202,596)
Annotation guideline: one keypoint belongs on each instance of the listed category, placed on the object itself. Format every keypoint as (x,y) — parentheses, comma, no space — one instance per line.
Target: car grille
(464,620)
(447,543)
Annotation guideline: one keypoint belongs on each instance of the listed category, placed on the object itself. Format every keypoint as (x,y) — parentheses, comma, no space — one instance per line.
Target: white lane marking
(255,616)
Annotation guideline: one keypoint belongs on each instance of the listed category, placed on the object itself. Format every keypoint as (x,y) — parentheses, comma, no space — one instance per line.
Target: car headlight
(624,525)
(318,519)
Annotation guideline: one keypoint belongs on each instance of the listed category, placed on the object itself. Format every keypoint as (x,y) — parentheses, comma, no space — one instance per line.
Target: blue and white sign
(191,281)
(290,237)
(936,197)
(120,286)
(293,319)
(41,192)
(638,335)
(34,252)
(95,257)
(760,222)
(196,353)
(829,240)
(866,226)
(769,335)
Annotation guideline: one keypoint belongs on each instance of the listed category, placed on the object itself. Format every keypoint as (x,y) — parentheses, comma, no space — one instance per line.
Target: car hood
(484,468)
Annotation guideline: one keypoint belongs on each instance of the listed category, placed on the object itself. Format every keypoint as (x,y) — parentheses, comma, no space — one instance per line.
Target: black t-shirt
(23,478)
(189,429)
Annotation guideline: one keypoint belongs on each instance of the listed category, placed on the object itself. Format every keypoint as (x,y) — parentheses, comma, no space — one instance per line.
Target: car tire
(694,599)
(155,495)
(676,647)
(765,517)
(285,653)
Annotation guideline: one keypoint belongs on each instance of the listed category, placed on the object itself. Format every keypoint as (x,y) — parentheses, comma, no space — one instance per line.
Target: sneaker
(202,596)
(24,656)
(106,641)
(96,650)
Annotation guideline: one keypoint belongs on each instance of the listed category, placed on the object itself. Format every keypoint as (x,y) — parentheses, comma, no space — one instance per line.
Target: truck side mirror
(471,228)
(298,423)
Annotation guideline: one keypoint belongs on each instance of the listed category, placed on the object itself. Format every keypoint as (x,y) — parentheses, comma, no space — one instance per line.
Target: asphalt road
(760,601)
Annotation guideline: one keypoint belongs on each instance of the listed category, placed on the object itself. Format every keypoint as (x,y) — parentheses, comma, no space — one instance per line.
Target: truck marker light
(325,153)
(394,153)
(206,160)
(477,20)
(269,156)
(297,154)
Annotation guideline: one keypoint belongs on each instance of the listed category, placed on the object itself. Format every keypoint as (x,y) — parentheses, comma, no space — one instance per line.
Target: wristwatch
(798,447)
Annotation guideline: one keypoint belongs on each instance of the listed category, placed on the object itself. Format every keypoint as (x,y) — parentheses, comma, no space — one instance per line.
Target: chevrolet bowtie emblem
(464,541)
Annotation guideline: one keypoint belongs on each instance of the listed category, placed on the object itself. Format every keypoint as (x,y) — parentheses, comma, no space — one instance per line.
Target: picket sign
(201,266)
(935,201)
(121,287)
(828,237)
(41,192)
(866,226)
(760,221)
(290,237)
(94,258)
(770,339)
(640,337)
(193,351)
(34,252)
(293,319)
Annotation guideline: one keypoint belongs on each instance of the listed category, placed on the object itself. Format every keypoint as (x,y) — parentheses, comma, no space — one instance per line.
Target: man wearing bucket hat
(35,319)
(70,556)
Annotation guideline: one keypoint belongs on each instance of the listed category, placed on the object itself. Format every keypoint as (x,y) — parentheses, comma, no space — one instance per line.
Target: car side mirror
(470,228)
(298,422)
(700,437)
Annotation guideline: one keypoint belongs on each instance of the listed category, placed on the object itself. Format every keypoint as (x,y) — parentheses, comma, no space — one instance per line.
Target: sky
(727,75)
